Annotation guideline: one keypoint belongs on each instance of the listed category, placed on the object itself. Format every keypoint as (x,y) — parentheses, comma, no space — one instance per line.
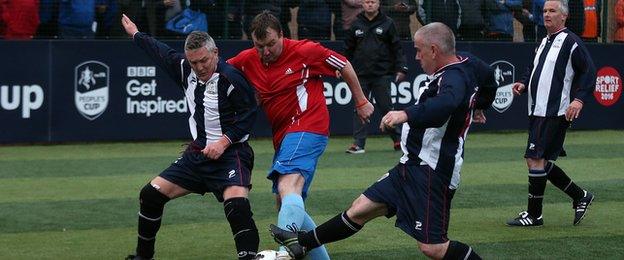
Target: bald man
(419,189)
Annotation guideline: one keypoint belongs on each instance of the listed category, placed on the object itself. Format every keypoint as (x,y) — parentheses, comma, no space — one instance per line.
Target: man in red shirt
(287,76)
(21,19)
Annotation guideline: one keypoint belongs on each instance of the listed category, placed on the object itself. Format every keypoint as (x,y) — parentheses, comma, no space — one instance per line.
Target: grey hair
(438,34)
(198,39)
(563,7)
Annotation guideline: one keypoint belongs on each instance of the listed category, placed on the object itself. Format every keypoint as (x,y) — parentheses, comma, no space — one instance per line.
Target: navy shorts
(196,173)
(419,197)
(546,137)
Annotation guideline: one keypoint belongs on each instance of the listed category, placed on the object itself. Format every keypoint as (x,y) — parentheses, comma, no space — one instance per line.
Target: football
(266,255)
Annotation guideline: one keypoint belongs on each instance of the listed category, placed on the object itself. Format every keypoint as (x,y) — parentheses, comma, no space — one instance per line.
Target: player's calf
(239,215)
(152,204)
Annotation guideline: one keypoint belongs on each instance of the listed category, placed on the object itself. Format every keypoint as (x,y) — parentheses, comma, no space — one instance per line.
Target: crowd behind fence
(472,20)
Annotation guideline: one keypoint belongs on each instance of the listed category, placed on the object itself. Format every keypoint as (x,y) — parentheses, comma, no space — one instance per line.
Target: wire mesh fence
(471,20)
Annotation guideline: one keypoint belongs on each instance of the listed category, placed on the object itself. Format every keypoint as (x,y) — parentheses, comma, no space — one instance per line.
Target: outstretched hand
(128,25)
(392,119)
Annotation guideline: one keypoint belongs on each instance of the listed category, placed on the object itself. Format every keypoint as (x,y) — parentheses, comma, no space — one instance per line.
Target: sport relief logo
(608,86)
(91,82)
(504,77)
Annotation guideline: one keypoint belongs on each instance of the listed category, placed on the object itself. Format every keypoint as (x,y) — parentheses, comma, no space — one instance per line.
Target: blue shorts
(298,153)
(419,197)
(196,173)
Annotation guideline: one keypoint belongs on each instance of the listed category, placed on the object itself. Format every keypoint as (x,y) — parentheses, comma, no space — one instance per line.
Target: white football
(266,255)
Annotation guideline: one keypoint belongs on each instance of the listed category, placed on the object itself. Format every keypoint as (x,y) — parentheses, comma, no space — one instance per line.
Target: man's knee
(535,164)
(433,251)
(290,183)
(152,201)
(235,191)
(363,209)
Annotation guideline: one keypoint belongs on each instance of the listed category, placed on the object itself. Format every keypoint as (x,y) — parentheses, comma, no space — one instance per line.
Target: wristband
(361,105)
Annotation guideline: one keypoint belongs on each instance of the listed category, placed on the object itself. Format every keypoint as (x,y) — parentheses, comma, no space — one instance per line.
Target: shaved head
(437,34)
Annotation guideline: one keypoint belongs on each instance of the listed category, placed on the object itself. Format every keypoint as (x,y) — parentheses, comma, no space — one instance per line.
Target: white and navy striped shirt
(438,123)
(562,71)
(225,105)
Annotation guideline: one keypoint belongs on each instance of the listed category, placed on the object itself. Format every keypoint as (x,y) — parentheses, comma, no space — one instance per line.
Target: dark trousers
(379,89)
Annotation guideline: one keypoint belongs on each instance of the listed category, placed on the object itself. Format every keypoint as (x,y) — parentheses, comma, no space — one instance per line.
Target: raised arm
(166,57)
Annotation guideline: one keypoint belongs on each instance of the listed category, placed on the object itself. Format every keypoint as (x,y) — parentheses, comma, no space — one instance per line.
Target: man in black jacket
(374,49)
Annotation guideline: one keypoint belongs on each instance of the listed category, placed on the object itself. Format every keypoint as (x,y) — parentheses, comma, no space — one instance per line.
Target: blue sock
(291,213)
(319,253)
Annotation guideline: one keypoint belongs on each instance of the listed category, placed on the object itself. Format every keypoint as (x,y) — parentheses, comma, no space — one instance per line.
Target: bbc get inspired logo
(608,86)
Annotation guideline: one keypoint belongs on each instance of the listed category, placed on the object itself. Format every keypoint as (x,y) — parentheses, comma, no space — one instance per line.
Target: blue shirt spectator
(501,16)
(76,19)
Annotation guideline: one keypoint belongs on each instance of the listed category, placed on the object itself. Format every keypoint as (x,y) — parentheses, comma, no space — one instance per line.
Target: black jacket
(373,47)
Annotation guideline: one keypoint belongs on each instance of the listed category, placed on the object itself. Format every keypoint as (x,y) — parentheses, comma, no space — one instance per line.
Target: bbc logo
(141,71)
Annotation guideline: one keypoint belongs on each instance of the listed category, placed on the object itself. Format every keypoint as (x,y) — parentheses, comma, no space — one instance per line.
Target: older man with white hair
(419,189)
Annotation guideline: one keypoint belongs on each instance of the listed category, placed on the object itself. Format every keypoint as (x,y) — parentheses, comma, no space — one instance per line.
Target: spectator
(76,18)
(591,26)
(335,7)
(444,11)
(349,11)
(400,11)
(538,19)
(525,17)
(373,46)
(20,18)
(132,8)
(472,20)
(576,16)
(233,18)
(533,24)
(280,9)
(619,22)
(314,20)
(500,13)
(154,16)
(218,17)
(48,18)
(106,12)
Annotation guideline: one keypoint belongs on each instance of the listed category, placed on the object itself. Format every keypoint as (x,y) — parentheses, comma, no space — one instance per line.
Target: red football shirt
(291,88)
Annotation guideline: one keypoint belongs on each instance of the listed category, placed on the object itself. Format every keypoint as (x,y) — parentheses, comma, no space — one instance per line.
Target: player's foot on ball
(581,206)
(289,240)
(525,220)
(272,255)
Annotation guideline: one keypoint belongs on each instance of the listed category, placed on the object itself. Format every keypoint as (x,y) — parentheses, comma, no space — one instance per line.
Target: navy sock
(152,206)
(537,185)
(459,250)
(239,215)
(561,180)
(337,228)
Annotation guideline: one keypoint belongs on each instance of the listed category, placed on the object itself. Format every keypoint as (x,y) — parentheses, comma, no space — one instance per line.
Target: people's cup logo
(91,80)
(504,77)
(608,87)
